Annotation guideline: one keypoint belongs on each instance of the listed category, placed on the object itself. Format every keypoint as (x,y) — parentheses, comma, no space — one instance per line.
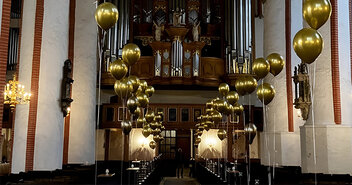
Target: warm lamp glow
(142,141)
(14,93)
(210,141)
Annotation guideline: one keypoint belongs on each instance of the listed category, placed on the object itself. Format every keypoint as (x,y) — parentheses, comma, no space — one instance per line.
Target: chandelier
(14,93)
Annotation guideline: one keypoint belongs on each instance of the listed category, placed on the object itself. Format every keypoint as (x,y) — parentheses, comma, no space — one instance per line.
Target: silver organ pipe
(240,35)
(158,64)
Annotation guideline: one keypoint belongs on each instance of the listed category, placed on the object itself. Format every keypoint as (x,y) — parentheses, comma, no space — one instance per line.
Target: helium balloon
(198,140)
(140,121)
(157,117)
(149,116)
(209,104)
(123,88)
(143,84)
(276,62)
(266,93)
(224,88)
(229,109)
(220,105)
(146,131)
(232,97)
(250,84)
(152,145)
(126,126)
(156,138)
(153,125)
(206,127)
(240,86)
(132,104)
(135,82)
(131,54)
(251,132)
(316,12)
(149,91)
(260,67)
(106,15)
(221,134)
(143,100)
(216,117)
(308,44)
(118,69)
(237,109)
(201,128)
(138,111)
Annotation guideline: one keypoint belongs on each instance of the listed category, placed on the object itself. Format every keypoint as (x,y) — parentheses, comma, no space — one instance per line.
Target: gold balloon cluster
(152,125)
(215,110)
(274,64)
(308,43)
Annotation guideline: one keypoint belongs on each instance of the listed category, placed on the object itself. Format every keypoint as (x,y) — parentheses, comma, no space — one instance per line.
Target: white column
(25,73)
(48,148)
(332,144)
(278,146)
(83,116)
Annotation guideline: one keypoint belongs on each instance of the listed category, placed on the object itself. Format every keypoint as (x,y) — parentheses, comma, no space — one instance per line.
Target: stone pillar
(326,138)
(38,132)
(279,145)
(81,147)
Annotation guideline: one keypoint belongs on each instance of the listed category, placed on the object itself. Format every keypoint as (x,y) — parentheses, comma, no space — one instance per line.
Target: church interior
(176,92)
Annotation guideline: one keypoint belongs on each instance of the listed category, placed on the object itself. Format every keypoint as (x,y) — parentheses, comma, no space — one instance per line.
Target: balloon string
(312,89)
(266,137)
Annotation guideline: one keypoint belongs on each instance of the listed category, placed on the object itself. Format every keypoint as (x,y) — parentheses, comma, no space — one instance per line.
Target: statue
(158,31)
(196,31)
(177,17)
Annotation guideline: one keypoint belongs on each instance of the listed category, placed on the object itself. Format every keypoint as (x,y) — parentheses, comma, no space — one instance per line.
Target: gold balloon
(276,62)
(149,91)
(152,145)
(250,84)
(199,133)
(156,138)
(220,105)
(126,127)
(251,130)
(106,15)
(206,127)
(240,86)
(260,67)
(232,97)
(143,100)
(316,12)
(146,131)
(222,134)
(198,140)
(143,84)
(140,121)
(224,88)
(123,88)
(210,124)
(266,93)
(149,116)
(229,109)
(118,69)
(162,128)
(209,104)
(131,54)
(138,111)
(157,117)
(201,128)
(209,111)
(132,104)
(308,45)
(216,117)
(135,82)
(153,125)
(237,109)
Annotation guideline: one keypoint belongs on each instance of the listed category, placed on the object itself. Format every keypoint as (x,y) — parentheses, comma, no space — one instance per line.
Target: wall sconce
(302,90)
(66,88)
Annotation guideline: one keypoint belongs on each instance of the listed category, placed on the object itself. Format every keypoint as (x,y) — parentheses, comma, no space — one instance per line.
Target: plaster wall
(48,148)
(25,73)
(274,42)
(218,148)
(83,108)
(100,145)
(116,145)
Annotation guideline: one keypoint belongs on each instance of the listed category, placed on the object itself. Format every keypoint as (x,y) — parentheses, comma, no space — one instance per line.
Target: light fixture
(302,90)
(14,94)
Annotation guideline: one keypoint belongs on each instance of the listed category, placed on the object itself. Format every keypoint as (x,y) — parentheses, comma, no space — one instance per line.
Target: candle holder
(302,91)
